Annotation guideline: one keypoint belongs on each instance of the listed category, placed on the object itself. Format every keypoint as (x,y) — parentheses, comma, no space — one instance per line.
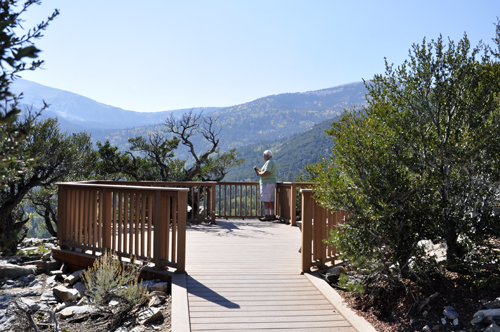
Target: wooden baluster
(157,228)
(143,225)
(106,221)
(93,233)
(150,225)
(120,247)
(307,205)
(170,232)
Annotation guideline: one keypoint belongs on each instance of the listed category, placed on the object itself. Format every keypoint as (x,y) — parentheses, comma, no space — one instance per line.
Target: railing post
(319,229)
(61,214)
(181,231)
(157,222)
(307,204)
(293,205)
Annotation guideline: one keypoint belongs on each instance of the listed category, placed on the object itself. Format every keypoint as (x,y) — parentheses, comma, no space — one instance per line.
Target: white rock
(66,294)
(149,315)
(73,278)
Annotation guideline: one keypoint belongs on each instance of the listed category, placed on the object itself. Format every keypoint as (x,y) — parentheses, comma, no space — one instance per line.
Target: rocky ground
(35,290)
(447,303)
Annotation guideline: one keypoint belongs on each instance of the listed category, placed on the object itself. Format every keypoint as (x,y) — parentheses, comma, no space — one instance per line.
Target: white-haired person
(267,185)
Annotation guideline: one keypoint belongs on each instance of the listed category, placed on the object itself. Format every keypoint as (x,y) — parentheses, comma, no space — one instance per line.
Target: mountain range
(292,124)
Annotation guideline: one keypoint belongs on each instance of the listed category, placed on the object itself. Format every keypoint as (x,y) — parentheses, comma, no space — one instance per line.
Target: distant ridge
(78,112)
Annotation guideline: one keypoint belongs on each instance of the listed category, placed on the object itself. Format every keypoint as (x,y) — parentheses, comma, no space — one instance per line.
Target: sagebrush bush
(108,279)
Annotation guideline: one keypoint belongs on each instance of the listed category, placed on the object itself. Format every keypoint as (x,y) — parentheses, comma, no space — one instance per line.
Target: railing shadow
(235,227)
(198,289)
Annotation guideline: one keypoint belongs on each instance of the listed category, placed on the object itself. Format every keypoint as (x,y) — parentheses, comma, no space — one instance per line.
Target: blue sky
(157,55)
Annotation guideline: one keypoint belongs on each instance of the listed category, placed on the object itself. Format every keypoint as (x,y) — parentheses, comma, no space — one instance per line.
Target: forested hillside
(292,154)
(279,116)
(271,118)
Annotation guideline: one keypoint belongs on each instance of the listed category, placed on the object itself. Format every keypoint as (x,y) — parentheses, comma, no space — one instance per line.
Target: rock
(481,314)
(443,321)
(29,305)
(60,307)
(80,287)
(138,329)
(47,265)
(333,273)
(426,328)
(493,304)
(4,301)
(12,271)
(56,273)
(49,297)
(149,315)
(455,322)
(73,278)
(161,286)
(477,318)
(492,328)
(29,293)
(83,309)
(450,313)
(156,301)
(66,294)
(67,312)
(51,281)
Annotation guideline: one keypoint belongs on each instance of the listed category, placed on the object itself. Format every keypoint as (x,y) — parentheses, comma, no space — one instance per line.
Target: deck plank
(244,275)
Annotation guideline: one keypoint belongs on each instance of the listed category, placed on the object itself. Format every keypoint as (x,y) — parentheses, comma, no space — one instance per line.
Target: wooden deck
(244,275)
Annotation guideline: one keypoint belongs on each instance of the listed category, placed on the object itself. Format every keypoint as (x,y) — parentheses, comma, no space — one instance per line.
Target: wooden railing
(144,222)
(287,199)
(148,219)
(317,222)
(200,195)
(210,200)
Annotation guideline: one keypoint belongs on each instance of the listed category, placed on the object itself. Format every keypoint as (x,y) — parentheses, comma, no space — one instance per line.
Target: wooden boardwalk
(244,275)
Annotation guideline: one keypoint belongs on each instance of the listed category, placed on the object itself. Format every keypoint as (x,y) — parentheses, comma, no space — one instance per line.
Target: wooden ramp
(244,275)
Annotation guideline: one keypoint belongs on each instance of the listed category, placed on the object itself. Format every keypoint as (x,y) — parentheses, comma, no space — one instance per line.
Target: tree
(421,160)
(150,159)
(205,167)
(54,157)
(14,52)
(153,158)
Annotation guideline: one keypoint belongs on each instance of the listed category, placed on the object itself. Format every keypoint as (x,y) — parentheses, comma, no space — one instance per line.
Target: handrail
(317,223)
(208,200)
(131,220)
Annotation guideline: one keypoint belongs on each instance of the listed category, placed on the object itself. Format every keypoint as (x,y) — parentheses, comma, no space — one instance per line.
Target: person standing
(267,185)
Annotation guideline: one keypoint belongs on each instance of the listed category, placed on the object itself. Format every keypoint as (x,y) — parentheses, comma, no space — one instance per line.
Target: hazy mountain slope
(265,119)
(291,154)
(82,112)
(279,116)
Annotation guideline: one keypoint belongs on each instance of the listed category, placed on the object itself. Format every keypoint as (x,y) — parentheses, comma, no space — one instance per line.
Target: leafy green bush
(420,162)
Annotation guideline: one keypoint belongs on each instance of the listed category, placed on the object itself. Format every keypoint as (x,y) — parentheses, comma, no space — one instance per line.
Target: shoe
(266,218)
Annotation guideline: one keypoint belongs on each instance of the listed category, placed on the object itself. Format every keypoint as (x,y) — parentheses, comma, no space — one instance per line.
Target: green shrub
(42,249)
(108,279)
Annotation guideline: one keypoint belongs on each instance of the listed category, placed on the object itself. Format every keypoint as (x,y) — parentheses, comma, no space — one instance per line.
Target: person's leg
(271,209)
